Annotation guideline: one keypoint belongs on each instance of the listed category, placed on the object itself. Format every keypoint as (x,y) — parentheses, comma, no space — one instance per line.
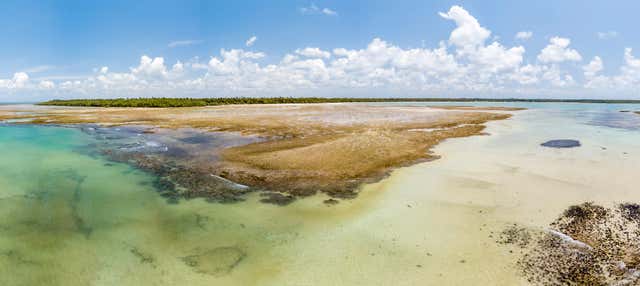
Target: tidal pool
(73,218)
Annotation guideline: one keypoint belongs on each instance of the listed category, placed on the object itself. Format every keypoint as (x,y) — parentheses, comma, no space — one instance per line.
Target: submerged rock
(562,143)
(277,198)
(331,202)
(218,261)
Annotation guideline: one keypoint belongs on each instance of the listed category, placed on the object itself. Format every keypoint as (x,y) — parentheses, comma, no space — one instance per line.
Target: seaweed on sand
(217,262)
(145,258)
(79,222)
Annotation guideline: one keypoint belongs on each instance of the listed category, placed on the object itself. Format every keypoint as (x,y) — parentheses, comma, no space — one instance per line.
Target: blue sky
(59,48)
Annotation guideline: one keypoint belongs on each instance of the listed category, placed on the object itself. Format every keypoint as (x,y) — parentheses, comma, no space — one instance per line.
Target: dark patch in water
(201,221)
(177,152)
(16,258)
(145,258)
(561,143)
(78,221)
(331,202)
(277,198)
(175,157)
(619,120)
(217,262)
(198,139)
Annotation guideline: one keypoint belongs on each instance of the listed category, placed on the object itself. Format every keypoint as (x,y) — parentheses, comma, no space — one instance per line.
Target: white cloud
(592,74)
(527,75)
(557,77)
(19,80)
(468,34)
(150,67)
(469,38)
(607,35)
(183,43)
(251,41)
(558,51)
(313,53)
(524,35)
(315,10)
(329,12)
(593,67)
(497,58)
(178,68)
(232,61)
(630,71)
(46,84)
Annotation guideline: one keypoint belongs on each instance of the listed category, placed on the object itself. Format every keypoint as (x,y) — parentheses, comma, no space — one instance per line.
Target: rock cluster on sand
(587,245)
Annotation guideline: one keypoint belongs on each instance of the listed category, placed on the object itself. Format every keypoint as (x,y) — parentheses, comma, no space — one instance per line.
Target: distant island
(194,102)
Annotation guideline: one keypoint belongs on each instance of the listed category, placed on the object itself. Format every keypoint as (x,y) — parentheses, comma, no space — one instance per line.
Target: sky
(362,48)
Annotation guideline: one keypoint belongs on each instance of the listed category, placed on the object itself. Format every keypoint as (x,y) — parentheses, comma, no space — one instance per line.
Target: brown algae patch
(336,164)
(587,245)
(302,150)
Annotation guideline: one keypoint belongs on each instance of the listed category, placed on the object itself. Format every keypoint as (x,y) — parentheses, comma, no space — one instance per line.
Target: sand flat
(331,148)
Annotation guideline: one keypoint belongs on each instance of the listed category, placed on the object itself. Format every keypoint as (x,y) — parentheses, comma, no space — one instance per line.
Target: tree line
(193,102)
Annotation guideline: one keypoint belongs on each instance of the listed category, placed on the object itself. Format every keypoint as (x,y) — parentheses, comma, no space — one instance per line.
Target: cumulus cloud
(593,67)
(468,34)
(150,67)
(19,80)
(183,43)
(558,51)
(630,71)
(251,41)
(524,35)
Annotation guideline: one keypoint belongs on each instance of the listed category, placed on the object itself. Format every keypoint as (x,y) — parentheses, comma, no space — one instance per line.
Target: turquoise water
(72,218)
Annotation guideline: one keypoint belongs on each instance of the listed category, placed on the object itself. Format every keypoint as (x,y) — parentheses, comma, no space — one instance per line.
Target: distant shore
(194,102)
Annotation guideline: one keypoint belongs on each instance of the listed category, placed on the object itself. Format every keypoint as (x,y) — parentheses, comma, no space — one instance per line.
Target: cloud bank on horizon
(469,63)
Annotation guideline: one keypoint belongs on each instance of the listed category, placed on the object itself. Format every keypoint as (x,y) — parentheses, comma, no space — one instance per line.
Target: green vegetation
(189,102)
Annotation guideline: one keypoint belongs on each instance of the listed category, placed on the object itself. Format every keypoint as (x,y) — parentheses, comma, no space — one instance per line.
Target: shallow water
(71,218)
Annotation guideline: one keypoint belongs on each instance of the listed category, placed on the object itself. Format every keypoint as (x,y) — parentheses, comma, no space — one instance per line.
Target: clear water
(72,219)
(69,218)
